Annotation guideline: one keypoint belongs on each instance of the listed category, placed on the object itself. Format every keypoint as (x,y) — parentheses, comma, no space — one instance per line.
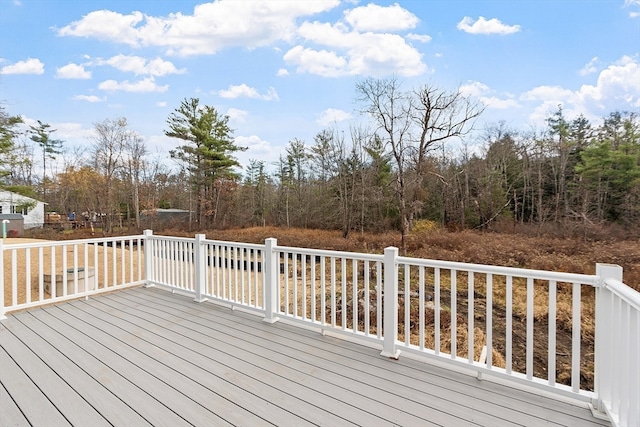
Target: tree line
(413,162)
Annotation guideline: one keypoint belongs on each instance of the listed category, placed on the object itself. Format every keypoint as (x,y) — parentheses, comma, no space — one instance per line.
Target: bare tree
(389,107)
(438,116)
(135,151)
(413,123)
(111,139)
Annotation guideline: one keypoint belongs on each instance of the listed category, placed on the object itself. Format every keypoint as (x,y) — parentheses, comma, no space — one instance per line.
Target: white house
(31,209)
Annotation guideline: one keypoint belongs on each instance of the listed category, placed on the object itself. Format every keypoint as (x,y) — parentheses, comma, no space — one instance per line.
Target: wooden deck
(145,356)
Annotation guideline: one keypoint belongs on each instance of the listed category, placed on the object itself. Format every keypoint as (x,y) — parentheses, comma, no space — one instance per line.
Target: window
(18,209)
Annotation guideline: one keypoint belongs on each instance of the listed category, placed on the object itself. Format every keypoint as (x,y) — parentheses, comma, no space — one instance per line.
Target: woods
(418,160)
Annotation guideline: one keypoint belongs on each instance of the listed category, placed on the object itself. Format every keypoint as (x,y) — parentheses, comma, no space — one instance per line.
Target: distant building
(32,210)
(14,226)
(158,219)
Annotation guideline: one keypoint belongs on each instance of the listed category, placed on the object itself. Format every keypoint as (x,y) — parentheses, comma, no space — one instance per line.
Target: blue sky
(288,69)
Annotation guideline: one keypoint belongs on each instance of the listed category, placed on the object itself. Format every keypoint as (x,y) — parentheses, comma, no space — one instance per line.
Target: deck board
(227,391)
(145,356)
(437,384)
(167,395)
(298,382)
(306,365)
(90,377)
(34,404)
(10,414)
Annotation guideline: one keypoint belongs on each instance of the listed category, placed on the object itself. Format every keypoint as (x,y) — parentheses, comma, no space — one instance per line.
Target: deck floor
(145,356)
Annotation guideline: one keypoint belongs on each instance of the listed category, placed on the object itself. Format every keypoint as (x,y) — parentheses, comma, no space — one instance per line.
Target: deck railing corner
(617,337)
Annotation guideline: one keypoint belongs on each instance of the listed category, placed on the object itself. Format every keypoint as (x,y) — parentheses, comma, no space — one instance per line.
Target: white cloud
(282,72)
(486,26)
(380,18)
(320,62)
(106,25)
(70,131)
(632,3)
(544,93)
(482,92)
(419,37)
(252,142)
(161,104)
(29,66)
(474,88)
(496,103)
(616,89)
(244,91)
(89,98)
(353,53)
(257,148)
(141,66)
(144,85)
(271,95)
(212,26)
(590,67)
(237,115)
(73,71)
(331,116)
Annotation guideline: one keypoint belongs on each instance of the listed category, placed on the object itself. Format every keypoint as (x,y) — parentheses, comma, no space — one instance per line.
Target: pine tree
(206,153)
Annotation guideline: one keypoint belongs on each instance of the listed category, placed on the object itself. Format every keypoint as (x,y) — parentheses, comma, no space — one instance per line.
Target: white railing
(227,272)
(571,334)
(43,272)
(618,348)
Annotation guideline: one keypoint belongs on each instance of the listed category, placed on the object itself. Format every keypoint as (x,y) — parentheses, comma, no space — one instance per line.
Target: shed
(158,219)
(15,226)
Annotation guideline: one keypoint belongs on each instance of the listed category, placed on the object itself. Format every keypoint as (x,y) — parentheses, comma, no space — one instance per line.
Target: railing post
(2,312)
(148,258)
(199,266)
(272,269)
(603,359)
(390,303)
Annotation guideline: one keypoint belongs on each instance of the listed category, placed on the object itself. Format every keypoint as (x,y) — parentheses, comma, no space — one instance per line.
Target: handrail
(627,294)
(328,253)
(47,243)
(586,279)
(617,348)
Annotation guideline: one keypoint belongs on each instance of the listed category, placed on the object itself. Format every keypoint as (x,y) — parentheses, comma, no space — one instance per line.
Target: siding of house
(10,203)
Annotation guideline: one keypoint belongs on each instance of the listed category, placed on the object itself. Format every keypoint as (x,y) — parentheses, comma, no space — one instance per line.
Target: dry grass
(571,255)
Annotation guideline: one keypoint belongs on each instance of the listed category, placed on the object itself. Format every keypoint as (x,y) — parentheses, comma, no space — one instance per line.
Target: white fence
(44,272)
(570,334)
